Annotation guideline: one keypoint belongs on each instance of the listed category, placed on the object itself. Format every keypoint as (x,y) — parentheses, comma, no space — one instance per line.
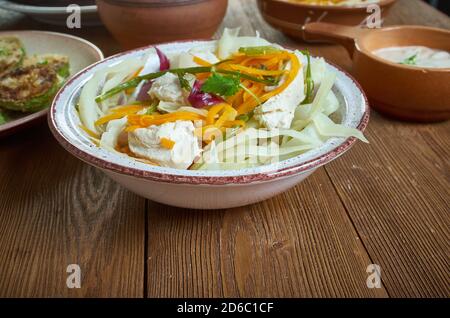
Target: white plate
(53,15)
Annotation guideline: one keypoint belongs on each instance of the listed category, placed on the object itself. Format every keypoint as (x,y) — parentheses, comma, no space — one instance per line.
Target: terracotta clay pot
(136,23)
(289,17)
(402,91)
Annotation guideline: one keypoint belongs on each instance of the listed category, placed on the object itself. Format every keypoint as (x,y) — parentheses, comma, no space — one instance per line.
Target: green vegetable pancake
(11,54)
(29,88)
(59,63)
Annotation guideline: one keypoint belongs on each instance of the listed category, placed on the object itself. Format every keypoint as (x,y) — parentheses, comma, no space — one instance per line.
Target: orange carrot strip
(233,123)
(135,74)
(90,132)
(127,108)
(167,143)
(251,103)
(213,111)
(201,61)
(255,71)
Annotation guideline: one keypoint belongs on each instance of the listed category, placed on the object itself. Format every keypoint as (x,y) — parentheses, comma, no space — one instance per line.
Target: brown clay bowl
(136,23)
(289,17)
(402,91)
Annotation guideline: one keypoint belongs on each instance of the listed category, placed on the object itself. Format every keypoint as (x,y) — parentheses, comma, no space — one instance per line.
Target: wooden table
(386,203)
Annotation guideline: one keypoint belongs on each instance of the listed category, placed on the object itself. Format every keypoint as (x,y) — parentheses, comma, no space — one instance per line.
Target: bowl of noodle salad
(210,124)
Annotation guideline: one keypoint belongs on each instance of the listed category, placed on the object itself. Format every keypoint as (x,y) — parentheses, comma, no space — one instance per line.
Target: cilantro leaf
(222,85)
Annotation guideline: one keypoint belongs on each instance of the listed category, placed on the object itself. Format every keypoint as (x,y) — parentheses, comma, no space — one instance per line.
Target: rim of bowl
(30,9)
(309,6)
(62,35)
(153,3)
(420,69)
(261,176)
(27,118)
(16,123)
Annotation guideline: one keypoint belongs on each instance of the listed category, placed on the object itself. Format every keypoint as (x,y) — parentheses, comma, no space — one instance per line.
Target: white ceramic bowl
(201,189)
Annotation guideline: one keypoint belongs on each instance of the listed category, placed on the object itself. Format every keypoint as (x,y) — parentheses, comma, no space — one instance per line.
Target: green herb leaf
(309,83)
(222,85)
(153,107)
(258,50)
(184,82)
(245,117)
(4,51)
(190,70)
(412,60)
(251,94)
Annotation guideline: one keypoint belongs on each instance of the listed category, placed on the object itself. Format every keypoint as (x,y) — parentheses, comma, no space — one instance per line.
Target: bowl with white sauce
(405,70)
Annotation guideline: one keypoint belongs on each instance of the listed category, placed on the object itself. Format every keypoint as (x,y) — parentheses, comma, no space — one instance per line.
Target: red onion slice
(164,63)
(143,95)
(198,99)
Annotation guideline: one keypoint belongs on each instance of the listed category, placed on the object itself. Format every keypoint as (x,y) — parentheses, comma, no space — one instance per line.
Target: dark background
(443,5)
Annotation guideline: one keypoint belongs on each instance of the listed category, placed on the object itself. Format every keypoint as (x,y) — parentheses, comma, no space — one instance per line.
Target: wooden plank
(56,211)
(397,192)
(299,244)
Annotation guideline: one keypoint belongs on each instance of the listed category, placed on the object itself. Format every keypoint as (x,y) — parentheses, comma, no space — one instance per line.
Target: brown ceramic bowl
(136,23)
(289,17)
(401,91)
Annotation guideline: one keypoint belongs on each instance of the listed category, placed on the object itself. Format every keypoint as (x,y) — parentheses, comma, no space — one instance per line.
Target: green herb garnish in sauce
(412,60)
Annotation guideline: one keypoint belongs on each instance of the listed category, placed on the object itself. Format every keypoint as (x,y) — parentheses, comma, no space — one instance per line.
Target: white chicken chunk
(167,88)
(146,143)
(278,111)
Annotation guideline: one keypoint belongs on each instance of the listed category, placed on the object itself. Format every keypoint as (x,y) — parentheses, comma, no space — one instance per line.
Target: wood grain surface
(57,211)
(385,203)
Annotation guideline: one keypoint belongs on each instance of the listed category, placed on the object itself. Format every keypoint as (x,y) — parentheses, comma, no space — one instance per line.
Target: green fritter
(12,54)
(30,88)
(59,63)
